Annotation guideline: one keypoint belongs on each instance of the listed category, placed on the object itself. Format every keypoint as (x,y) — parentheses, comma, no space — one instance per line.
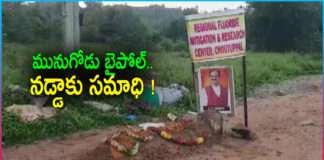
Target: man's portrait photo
(216,89)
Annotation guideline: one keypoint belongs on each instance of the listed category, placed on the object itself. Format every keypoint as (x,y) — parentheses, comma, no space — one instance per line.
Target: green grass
(74,119)
(262,68)
(168,67)
(172,67)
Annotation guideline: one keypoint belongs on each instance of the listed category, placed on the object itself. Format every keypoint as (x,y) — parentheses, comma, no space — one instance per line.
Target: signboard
(216,89)
(216,36)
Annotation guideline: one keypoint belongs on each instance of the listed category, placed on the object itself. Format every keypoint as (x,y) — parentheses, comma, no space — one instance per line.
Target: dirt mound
(157,149)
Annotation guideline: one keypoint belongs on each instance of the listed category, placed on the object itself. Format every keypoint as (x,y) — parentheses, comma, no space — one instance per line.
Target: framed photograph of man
(216,89)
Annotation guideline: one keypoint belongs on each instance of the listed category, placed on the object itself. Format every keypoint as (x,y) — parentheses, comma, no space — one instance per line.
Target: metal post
(194,84)
(244,92)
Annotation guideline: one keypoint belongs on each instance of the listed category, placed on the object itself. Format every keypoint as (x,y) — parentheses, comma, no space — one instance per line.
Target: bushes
(168,45)
(282,26)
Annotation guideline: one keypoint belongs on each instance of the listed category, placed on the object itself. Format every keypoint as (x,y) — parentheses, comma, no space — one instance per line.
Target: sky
(206,6)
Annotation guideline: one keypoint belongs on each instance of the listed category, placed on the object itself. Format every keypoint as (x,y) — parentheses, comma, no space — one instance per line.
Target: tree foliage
(31,23)
(279,26)
(282,27)
(124,30)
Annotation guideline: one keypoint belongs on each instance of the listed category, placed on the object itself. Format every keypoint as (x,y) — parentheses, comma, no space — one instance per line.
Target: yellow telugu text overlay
(113,87)
(52,86)
(58,102)
(73,86)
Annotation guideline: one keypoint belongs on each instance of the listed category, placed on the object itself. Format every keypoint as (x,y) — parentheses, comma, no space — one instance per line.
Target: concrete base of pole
(218,123)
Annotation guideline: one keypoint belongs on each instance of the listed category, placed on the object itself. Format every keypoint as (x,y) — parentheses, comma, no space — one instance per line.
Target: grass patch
(74,118)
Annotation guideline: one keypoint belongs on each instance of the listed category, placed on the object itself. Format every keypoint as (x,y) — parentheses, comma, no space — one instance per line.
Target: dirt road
(288,127)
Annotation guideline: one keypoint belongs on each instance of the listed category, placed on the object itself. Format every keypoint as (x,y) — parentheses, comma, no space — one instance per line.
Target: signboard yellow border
(191,19)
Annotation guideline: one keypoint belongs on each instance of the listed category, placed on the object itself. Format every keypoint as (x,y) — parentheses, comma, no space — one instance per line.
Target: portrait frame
(226,81)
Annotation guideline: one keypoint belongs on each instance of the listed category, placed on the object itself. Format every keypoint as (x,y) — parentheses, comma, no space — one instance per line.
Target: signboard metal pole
(194,82)
(244,92)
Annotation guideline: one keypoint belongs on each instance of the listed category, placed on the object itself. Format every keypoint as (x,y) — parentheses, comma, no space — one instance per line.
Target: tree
(34,22)
(124,30)
(284,26)
(176,30)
